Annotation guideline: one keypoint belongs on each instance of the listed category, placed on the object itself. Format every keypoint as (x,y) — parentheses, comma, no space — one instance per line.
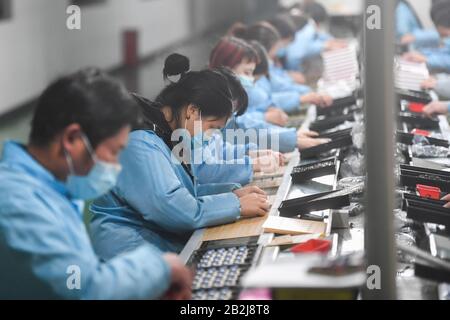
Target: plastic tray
(339,140)
(322,123)
(414,96)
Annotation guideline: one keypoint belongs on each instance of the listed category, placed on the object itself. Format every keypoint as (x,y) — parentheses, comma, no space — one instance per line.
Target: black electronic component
(323,123)
(414,96)
(428,211)
(407,138)
(419,121)
(322,201)
(338,106)
(313,170)
(411,176)
(339,140)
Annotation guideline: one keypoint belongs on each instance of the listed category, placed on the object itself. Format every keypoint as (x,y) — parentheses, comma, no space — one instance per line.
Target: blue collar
(17,157)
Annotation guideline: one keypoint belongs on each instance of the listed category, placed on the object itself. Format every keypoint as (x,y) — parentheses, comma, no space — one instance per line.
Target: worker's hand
(303,133)
(430,83)
(180,279)
(335,44)
(298,77)
(320,100)
(306,143)
(408,39)
(415,57)
(266,164)
(279,157)
(254,205)
(249,190)
(277,117)
(435,107)
(447,199)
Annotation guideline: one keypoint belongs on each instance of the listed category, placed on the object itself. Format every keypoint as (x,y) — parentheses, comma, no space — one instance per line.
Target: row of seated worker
(156,169)
(429,46)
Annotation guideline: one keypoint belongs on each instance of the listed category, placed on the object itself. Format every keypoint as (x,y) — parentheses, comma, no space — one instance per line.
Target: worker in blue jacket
(158,199)
(410,30)
(437,59)
(309,41)
(80,125)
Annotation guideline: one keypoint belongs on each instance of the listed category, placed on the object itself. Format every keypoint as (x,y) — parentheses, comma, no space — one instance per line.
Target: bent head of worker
(262,68)
(237,55)
(440,14)
(264,33)
(80,125)
(198,97)
(317,12)
(285,26)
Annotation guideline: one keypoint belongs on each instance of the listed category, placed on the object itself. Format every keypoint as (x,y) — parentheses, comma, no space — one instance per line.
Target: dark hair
(240,97)
(299,20)
(230,52)
(208,90)
(440,13)
(262,68)
(316,11)
(263,32)
(98,103)
(284,25)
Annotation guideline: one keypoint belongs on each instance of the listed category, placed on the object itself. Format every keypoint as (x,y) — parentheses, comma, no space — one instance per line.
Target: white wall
(36,47)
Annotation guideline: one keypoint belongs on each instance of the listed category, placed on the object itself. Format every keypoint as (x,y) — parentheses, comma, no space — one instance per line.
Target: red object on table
(429,192)
(416,107)
(313,246)
(419,132)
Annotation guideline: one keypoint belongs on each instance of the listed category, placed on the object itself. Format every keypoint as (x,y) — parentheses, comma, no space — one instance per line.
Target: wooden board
(280,225)
(241,229)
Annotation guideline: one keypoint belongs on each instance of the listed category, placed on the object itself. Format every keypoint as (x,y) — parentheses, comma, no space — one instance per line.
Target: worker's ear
(71,139)
(192,112)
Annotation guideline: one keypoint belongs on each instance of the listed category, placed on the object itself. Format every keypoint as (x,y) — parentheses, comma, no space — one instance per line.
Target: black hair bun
(176,64)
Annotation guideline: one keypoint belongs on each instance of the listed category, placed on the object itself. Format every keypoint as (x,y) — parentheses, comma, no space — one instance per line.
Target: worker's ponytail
(176,65)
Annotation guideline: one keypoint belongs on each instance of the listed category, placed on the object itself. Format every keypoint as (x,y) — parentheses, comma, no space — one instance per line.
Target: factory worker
(158,199)
(242,58)
(81,124)
(280,80)
(309,42)
(410,30)
(230,162)
(437,59)
(440,83)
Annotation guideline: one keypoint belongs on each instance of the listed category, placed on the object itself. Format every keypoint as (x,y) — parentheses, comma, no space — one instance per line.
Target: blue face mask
(102,177)
(282,53)
(247,81)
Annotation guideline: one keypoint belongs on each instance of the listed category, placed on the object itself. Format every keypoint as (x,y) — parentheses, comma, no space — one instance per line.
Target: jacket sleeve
(53,252)
(153,188)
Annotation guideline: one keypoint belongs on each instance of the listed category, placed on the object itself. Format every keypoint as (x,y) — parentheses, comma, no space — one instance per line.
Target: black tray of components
(407,138)
(339,140)
(338,106)
(411,176)
(414,96)
(314,170)
(323,123)
(414,197)
(428,211)
(219,267)
(322,201)
(436,274)
(418,120)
